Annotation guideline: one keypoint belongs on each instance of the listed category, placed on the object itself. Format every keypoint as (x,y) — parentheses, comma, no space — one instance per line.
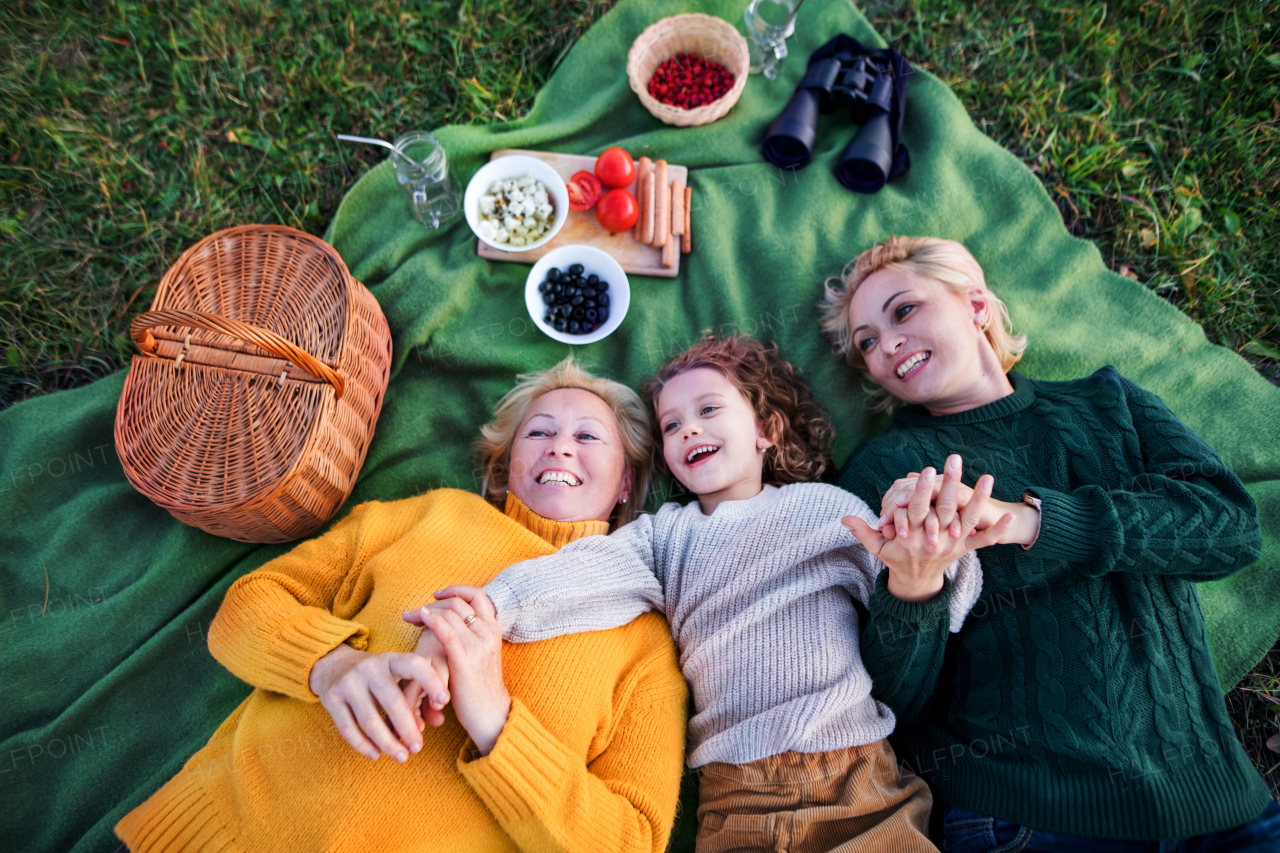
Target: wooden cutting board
(582,227)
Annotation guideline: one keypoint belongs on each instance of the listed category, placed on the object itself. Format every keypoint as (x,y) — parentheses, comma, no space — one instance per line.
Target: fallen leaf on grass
(1189,282)
(1273,742)
(250,137)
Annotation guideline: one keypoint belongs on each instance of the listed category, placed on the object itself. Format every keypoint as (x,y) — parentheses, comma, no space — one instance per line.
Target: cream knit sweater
(759,597)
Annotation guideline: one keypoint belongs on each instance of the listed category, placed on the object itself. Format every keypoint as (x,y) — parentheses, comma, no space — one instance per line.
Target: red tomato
(584,190)
(617,211)
(615,168)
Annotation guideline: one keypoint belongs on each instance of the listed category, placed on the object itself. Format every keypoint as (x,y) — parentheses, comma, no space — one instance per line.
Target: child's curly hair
(782,401)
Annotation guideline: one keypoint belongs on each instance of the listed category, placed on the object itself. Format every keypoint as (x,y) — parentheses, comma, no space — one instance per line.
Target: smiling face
(568,461)
(711,438)
(923,343)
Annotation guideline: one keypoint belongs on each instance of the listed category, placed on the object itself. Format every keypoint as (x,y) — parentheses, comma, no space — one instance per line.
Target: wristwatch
(1032,500)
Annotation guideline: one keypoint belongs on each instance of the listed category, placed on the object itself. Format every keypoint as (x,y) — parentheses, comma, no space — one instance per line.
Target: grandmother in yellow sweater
(574,743)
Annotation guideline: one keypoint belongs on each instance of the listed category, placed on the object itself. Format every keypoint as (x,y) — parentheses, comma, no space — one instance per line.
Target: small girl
(758,579)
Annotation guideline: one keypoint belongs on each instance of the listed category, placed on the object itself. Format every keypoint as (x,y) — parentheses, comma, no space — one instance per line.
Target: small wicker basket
(709,37)
(264,365)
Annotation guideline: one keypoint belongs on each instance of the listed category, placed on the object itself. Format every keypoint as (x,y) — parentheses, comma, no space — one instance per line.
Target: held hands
(432,649)
(472,650)
(355,687)
(1026,519)
(925,538)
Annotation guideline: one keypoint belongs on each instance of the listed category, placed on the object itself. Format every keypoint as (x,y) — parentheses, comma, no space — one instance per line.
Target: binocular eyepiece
(862,81)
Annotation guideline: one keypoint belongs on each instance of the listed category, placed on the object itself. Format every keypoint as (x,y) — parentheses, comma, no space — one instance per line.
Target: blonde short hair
(497,436)
(946,261)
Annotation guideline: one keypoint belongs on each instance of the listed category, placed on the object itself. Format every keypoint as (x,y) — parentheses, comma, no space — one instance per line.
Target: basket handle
(140,331)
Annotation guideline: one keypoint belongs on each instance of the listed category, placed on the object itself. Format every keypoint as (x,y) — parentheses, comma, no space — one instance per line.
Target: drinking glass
(422,168)
(768,24)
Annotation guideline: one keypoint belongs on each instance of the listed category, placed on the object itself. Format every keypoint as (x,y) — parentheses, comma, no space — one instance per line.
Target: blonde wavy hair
(497,436)
(947,261)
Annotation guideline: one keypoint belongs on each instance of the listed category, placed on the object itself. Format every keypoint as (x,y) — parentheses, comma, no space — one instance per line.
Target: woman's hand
(473,647)
(927,539)
(353,685)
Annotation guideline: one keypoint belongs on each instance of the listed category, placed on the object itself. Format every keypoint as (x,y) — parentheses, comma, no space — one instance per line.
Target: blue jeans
(969,832)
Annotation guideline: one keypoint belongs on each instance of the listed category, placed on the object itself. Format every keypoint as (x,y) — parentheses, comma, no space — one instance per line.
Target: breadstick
(662,215)
(643,167)
(669,251)
(677,207)
(649,207)
(686,237)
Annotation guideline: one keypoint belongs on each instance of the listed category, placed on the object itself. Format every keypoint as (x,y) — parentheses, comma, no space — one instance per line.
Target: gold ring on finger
(469,620)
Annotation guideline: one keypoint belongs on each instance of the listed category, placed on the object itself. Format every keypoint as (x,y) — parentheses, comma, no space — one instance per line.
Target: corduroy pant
(846,800)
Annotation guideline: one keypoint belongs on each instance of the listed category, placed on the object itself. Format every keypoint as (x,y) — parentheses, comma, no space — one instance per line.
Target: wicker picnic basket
(263,367)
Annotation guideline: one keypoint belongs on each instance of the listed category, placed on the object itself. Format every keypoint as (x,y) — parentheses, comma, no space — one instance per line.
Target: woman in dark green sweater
(1079,708)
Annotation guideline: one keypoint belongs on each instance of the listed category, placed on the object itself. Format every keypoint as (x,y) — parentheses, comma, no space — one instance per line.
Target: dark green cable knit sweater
(1080,697)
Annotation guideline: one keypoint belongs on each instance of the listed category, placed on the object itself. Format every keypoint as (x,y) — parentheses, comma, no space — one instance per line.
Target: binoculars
(867,83)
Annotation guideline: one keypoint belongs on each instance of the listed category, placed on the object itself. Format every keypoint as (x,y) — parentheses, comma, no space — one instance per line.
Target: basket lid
(273,276)
(211,420)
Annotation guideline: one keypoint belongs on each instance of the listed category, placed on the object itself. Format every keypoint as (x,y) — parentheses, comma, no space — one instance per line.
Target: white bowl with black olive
(577,294)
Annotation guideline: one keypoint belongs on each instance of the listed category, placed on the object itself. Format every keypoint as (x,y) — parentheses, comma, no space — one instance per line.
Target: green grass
(1155,127)
(133,129)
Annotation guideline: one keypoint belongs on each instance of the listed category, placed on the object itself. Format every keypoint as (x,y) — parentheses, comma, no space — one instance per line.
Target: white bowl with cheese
(515,210)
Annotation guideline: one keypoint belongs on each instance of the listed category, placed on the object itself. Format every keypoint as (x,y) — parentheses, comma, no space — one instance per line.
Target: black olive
(590,303)
(544,287)
(548,318)
(602,314)
(561,324)
(565,310)
(592,315)
(603,300)
(575,269)
(593,278)
(548,298)
(575,328)
(577,300)
(579,313)
(553,274)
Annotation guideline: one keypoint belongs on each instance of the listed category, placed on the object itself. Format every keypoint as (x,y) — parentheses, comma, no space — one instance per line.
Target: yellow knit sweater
(590,758)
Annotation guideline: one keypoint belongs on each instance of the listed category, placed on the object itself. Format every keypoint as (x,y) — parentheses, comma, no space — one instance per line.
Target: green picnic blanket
(105,599)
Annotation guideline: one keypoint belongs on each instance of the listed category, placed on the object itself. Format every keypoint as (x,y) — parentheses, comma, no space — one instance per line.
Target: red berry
(689,81)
